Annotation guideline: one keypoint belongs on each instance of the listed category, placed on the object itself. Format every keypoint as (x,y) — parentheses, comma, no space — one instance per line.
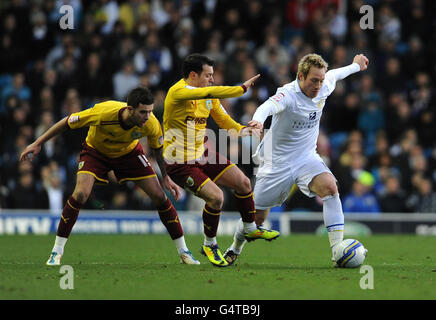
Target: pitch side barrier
(148,222)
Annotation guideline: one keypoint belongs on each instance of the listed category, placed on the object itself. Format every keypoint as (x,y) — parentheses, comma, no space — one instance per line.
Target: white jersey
(295,123)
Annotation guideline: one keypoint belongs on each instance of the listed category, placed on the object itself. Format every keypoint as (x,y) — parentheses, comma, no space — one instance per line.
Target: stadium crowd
(378,128)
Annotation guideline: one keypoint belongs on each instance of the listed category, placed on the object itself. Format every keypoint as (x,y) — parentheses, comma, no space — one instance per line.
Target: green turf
(147,267)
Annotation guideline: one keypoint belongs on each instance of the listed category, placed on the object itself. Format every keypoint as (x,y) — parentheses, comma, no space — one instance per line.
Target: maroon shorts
(194,176)
(132,166)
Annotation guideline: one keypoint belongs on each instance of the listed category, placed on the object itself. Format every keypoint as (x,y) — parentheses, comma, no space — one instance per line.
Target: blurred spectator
(161,11)
(371,119)
(381,148)
(254,19)
(272,56)
(184,45)
(399,114)
(152,51)
(124,80)
(11,57)
(18,88)
(389,25)
(422,100)
(130,12)
(64,47)
(392,79)
(42,38)
(343,113)
(94,80)
(26,196)
(52,183)
(67,74)
(416,20)
(107,15)
(424,199)
(415,60)
(367,91)
(347,173)
(361,198)
(298,14)
(393,199)
(214,50)
(337,22)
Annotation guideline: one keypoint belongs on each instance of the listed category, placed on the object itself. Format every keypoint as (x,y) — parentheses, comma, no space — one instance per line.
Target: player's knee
(158,197)
(244,186)
(216,201)
(329,189)
(81,196)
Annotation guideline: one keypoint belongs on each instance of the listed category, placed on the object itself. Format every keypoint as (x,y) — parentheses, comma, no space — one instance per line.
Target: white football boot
(54,260)
(186,257)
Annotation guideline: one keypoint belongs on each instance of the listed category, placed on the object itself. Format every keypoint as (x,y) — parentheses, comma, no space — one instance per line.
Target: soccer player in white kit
(287,154)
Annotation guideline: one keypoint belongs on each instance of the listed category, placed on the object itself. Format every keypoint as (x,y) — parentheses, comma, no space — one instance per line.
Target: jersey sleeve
(154,133)
(214,92)
(222,118)
(275,104)
(334,75)
(85,118)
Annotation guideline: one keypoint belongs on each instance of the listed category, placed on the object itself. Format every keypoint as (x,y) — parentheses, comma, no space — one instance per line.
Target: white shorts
(273,184)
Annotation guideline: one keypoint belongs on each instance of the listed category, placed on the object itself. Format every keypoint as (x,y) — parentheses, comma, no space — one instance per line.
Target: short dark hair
(194,62)
(139,95)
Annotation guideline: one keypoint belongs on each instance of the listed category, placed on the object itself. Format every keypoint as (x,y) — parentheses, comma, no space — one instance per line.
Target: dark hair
(194,62)
(139,95)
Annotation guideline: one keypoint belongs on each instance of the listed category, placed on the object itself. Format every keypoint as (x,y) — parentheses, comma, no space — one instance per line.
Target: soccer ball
(349,253)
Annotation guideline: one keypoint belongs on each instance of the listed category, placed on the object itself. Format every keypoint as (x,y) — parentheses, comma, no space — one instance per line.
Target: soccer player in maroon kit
(112,143)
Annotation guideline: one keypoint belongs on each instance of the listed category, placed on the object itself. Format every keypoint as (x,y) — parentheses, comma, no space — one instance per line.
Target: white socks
(333,218)
(209,241)
(249,226)
(180,245)
(59,245)
(239,239)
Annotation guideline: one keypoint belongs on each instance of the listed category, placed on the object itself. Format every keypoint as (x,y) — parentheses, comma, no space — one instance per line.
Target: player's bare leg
(70,213)
(168,215)
(325,186)
(261,216)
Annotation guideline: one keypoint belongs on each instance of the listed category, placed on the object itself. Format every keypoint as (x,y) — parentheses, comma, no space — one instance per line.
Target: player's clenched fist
(362,60)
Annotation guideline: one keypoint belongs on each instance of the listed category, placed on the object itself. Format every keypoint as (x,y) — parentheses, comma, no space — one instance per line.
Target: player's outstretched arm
(212,92)
(34,148)
(360,63)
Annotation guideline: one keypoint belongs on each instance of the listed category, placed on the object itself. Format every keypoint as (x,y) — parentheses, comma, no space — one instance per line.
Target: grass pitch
(147,267)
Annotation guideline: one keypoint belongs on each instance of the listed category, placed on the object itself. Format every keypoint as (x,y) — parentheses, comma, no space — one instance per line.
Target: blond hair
(310,60)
